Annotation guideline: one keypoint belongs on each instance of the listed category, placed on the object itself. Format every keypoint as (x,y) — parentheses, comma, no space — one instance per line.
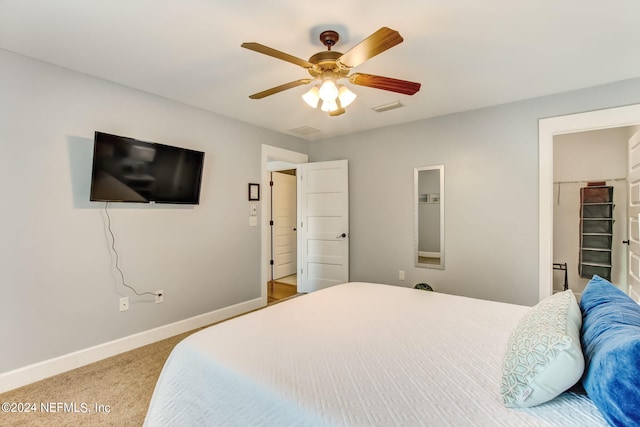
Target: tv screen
(129,170)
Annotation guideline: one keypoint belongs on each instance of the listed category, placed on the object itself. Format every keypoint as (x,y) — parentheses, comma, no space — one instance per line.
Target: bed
(357,354)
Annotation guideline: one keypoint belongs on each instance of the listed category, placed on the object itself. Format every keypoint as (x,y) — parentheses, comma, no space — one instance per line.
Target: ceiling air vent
(304,130)
(387,107)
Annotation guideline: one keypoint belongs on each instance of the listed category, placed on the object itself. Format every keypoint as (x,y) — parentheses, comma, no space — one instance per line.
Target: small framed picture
(254,191)
(434,197)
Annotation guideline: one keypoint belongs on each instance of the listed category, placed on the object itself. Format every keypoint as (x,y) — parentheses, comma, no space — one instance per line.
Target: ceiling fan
(329,66)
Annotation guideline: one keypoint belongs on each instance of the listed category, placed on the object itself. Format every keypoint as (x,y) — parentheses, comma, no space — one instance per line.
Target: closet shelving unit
(596,230)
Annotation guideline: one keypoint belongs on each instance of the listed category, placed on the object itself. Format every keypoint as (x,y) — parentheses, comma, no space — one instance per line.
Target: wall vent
(304,130)
(387,107)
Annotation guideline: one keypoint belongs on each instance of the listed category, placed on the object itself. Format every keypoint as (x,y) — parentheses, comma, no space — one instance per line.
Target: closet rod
(583,182)
(590,180)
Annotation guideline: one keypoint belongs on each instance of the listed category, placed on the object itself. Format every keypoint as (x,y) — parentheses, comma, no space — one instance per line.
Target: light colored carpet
(121,386)
(112,392)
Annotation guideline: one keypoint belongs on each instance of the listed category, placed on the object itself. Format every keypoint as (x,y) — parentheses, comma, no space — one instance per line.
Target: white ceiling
(466,53)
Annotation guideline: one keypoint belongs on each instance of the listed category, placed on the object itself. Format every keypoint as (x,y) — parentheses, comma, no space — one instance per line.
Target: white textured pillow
(544,356)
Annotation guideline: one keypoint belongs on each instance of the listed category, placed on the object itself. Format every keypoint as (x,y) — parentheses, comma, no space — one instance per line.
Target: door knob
(343,235)
(626,242)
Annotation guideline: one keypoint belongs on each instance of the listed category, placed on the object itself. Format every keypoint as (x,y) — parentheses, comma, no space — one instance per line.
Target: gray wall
(491,185)
(60,291)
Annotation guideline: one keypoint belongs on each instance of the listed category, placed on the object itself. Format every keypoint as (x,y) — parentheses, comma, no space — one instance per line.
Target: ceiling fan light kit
(329,96)
(330,66)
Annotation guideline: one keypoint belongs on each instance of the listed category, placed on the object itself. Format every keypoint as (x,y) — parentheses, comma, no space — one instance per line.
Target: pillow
(543,356)
(611,342)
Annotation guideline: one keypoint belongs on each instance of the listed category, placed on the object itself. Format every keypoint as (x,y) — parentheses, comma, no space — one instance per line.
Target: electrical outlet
(401,274)
(159,297)
(124,303)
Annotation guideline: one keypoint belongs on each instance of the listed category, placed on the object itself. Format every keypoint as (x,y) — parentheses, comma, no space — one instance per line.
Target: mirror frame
(416,204)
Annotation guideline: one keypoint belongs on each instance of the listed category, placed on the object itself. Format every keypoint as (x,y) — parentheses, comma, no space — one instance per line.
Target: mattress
(357,354)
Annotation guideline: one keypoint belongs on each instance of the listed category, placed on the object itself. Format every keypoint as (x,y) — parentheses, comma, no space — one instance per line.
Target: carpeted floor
(113,392)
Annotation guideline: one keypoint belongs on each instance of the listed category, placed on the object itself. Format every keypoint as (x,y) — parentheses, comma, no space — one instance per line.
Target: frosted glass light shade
(329,106)
(346,96)
(328,91)
(312,97)
(329,96)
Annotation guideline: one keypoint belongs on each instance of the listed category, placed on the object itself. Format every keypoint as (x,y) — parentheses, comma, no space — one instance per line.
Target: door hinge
(301,224)
(270,262)
(271,183)
(271,223)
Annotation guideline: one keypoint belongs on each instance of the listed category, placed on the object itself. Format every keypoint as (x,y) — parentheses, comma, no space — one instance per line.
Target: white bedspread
(357,354)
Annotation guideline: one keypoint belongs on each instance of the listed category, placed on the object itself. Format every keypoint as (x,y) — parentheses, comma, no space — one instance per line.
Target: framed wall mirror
(428,187)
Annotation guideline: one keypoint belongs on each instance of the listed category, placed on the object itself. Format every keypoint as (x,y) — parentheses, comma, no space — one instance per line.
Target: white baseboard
(48,368)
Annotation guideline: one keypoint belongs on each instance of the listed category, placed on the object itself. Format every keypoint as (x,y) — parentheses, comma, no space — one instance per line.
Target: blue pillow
(610,339)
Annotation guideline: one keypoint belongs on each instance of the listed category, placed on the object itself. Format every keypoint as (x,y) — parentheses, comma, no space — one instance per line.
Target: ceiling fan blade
(385,83)
(280,88)
(383,39)
(260,48)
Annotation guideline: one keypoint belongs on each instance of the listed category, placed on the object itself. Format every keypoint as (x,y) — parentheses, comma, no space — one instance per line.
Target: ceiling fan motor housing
(326,62)
(329,38)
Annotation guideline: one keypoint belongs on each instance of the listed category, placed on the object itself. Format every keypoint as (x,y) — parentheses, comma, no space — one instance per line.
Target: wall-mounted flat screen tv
(129,170)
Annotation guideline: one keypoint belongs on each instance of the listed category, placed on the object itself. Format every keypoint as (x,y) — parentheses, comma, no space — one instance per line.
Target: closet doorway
(581,160)
(547,129)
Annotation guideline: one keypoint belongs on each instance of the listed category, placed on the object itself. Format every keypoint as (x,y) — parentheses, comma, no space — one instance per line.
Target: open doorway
(547,129)
(283,236)
(274,159)
(323,219)
(588,237)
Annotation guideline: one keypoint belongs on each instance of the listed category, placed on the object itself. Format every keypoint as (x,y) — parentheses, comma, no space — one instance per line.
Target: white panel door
(323,225)
(633,278)
(284,224)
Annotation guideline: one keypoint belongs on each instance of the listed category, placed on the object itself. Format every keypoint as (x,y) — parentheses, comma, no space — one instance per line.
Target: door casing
(547,128)
(284,159)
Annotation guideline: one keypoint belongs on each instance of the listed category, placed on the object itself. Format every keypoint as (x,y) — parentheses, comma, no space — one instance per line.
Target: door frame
(547,129)
(289,159)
